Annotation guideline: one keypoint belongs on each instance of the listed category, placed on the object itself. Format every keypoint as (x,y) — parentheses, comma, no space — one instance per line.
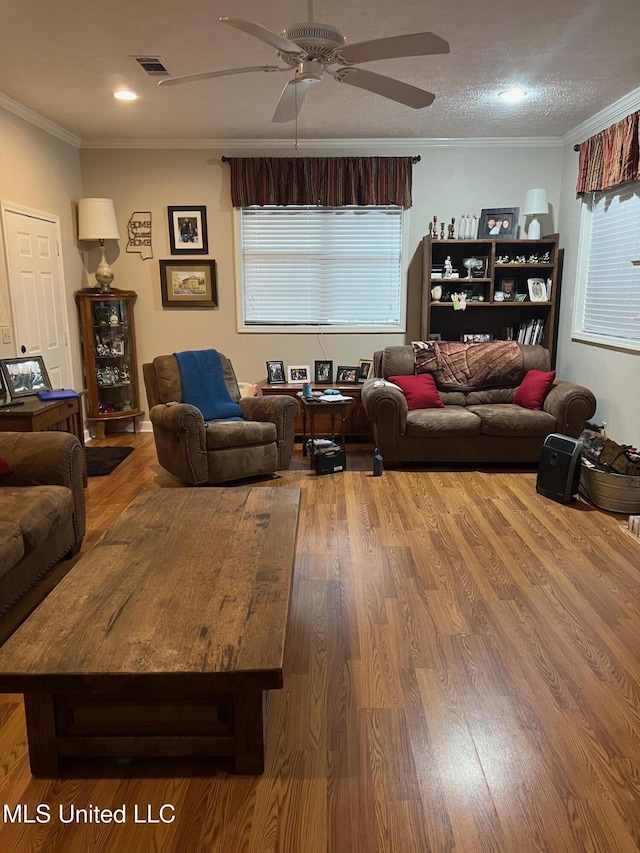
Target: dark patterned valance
(610,158)
(323,181)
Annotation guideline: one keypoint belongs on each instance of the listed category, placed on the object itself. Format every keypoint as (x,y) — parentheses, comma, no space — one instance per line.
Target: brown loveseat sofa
(202,454)
(477,424)
(42,510)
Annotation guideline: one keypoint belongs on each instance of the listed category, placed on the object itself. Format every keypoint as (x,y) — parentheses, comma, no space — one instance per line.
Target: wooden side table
(357,423)
(314,407)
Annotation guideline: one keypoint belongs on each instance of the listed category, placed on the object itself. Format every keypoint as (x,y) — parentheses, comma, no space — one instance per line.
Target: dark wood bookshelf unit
(507,265)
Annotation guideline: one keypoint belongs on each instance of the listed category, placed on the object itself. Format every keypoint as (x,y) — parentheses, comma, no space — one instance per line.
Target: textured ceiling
(64,58)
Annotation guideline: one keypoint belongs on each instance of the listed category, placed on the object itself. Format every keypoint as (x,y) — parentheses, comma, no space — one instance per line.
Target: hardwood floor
(461,675)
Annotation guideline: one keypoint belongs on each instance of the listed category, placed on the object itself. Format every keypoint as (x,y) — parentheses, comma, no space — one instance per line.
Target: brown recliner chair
(202,454)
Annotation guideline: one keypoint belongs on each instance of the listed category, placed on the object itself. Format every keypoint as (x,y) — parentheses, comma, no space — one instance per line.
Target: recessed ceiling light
(511,96)
(125,95)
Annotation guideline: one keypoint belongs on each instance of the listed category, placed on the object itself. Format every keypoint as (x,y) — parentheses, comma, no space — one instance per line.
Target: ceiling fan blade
(395,90)
(262,33)
(291,100)
(413,44)
(227,72)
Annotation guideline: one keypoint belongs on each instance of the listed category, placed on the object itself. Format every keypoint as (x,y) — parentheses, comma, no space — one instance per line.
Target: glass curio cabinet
(107,333)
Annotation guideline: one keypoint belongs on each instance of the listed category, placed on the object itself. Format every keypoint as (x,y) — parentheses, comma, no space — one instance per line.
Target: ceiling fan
(313,49)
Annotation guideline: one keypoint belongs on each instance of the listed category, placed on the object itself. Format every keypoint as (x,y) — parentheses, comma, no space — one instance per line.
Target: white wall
(42,172)
(612,375)
(449,180)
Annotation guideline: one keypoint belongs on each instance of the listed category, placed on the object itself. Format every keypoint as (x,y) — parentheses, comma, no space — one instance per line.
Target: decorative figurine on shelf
(436,293)
(462,227)
(520,259)
(435,227)
(442,230)
(472,229)
(451,229)
(533,259)
(448,267)
(545,258)
(459,301)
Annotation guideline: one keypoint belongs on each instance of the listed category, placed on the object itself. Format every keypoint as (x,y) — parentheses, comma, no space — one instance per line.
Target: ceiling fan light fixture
(512,95)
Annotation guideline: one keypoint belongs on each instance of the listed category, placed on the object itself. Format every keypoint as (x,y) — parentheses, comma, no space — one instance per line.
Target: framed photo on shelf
(537,289)
(323,371)
(365,369)
(298,373)
(435,336)
(25,376)
(347,375)
(508,287)
(498,223)
(275,372)
(476,339)
(188,285)
(188,230)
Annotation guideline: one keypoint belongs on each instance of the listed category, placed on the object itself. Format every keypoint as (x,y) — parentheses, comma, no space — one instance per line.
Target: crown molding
(36,119)
(605,118)
(407,144)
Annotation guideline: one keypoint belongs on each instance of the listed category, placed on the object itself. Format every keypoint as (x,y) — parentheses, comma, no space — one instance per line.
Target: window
(608,300)
(340,268)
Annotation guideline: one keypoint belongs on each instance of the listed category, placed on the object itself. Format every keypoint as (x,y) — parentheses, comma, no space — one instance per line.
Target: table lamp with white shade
(535,203)
(97,221)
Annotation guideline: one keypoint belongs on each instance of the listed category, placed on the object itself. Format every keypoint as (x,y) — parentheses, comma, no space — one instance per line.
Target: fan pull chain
(295,101)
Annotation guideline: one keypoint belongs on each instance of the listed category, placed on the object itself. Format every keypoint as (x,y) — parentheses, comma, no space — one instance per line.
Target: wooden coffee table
(164,637)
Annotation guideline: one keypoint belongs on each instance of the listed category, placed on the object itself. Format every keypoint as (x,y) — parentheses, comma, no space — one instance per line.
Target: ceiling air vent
(153,66)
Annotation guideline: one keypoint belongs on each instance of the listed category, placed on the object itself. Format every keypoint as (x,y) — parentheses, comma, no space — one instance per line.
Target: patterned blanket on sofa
(468,366)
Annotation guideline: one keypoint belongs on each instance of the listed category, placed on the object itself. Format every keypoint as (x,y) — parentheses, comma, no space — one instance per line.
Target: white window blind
(612,289)
(322,266)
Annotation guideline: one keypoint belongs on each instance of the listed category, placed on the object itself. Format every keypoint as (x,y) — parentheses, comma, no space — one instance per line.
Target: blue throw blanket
(203,385)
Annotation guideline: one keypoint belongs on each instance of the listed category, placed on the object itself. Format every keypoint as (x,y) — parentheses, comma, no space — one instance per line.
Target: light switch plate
(6,335)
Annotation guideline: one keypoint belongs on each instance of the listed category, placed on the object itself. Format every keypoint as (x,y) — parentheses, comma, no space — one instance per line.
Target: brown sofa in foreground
(42,510)
(476,424)
(202,454)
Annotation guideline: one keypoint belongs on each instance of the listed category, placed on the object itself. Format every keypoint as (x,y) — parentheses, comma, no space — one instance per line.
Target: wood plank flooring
(462,674)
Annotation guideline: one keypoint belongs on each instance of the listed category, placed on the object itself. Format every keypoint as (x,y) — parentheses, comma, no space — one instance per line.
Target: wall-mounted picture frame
(188,230)
(298,373)
(498,223)
(537,289)
(365,369)
(187,284)
(25,376)
(275,372)
(347,374)
(323,371)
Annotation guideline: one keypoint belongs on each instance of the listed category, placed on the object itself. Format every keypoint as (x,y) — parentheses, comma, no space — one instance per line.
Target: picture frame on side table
(25,376)
(275,372)
(347,375)
(188,284)
(188,230)
(323,371)
(298,373)
(498,223)
(365,369)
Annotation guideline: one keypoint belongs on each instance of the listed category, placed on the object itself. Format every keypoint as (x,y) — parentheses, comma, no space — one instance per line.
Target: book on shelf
(530,331)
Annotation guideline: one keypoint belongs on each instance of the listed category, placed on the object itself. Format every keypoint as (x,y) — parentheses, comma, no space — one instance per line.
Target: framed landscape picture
(188,230)
(188,285)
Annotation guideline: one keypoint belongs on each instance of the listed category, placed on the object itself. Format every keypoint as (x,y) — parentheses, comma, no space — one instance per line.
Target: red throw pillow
(534,388)
(5,468)
(420,391)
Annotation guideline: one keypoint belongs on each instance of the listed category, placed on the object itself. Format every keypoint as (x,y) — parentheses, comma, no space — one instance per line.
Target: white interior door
(37,292)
